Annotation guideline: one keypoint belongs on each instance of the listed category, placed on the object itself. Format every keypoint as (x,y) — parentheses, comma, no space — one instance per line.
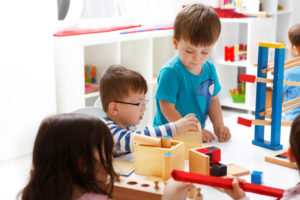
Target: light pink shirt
(93,196)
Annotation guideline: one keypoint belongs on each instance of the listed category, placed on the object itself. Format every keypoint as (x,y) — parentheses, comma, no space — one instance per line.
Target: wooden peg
(156,182)
(191,193)
(118,178)
(199,196)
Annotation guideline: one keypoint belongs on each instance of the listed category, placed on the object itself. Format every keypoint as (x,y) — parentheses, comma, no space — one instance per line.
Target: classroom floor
(14,173)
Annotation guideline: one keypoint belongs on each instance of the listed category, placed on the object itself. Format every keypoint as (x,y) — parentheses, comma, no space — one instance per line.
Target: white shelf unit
(144,52)
(248,31)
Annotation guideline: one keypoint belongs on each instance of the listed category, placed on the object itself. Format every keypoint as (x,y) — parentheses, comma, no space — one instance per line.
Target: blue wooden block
(256,177)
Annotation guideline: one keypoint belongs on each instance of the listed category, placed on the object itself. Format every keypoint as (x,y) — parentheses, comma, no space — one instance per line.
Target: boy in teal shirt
(188,83)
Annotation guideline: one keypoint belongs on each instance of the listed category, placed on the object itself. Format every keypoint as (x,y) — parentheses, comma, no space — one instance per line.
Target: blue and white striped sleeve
(123,138)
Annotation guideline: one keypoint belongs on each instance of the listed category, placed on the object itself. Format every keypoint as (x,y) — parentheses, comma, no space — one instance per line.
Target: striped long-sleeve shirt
(123,138)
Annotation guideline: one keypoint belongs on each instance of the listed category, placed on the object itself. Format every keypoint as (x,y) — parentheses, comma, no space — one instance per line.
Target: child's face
(191,56)
(129,114)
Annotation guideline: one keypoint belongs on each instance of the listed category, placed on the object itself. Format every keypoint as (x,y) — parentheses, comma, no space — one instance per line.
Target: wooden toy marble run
(225,183)
(277,68)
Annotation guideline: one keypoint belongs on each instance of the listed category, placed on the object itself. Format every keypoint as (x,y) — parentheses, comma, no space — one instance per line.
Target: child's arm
(169,111)
(216,117)
(171,114)
(123,138)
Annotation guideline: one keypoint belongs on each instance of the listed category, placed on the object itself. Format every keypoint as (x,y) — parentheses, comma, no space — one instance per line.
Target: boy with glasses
(122,93)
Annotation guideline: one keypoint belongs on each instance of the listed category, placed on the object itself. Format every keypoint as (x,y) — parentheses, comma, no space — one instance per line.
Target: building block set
(206,160)
(238,95)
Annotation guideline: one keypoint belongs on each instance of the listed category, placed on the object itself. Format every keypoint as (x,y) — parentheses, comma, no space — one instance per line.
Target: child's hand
(207,136)
(187,123)
(175,190)
(223,133)
(236,192)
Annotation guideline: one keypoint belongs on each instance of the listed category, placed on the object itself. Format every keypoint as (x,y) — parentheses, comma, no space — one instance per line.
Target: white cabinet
(248,31)
(144,52)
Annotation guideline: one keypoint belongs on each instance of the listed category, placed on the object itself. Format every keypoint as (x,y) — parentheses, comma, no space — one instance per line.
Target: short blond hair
(197,24)
(117,82)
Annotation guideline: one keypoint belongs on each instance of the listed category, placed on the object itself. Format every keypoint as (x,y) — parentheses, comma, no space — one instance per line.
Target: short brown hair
(117,82)
(295,139)
(294,35)
(197,24)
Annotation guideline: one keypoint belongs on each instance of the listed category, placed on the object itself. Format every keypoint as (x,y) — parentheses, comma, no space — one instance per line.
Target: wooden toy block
(281,158)
(206,152)
(191,139)
(247,78)
(148,160)
(256,177)
(216,154)
(218,169)
(127,189)
(167,166)
(236,170)
(166,141)
(147,140)
(199,162)
(225,183)
(245,122)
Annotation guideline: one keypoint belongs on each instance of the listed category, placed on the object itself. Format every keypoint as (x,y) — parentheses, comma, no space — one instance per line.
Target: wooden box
(149,160)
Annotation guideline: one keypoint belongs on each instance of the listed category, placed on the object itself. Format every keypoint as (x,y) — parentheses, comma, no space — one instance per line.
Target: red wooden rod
(245,122)
(247,78)
(225,183)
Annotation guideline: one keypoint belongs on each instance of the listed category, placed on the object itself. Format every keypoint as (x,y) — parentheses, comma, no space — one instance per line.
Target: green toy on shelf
(238,95)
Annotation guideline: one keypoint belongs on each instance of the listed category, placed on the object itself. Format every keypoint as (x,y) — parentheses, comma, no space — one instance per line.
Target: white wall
(296,13)
(26,72)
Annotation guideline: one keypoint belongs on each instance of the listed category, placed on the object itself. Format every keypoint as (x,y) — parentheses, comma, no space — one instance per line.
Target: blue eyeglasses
(140,105)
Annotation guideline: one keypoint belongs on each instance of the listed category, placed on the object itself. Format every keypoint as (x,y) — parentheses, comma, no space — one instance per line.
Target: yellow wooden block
(191,139)
(199,162)
(275,45)
(149,160)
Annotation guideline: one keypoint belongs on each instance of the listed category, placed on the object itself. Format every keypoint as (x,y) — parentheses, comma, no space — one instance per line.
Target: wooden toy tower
(261,89)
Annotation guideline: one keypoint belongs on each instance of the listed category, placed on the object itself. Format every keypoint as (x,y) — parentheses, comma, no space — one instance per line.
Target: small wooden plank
(280,161)
(236,170)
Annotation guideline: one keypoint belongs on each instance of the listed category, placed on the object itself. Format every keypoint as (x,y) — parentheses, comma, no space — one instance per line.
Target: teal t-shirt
(189,92)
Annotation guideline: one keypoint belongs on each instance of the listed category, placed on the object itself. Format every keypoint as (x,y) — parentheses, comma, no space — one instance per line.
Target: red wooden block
(247,78)
(245,122)
(216,154)
(225,183)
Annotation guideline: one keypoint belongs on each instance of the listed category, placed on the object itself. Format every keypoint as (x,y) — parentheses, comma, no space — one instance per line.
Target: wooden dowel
(291,107)
(269,110)
(268,123)
(267,80)
(288,63)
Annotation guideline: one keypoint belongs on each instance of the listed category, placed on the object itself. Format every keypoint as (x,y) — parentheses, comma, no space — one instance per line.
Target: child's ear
(113,108)
(296,50)
(290,155)
(175,43)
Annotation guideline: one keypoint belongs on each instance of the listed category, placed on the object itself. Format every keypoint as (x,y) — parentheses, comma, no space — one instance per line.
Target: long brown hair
(61,141)
(295,139)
